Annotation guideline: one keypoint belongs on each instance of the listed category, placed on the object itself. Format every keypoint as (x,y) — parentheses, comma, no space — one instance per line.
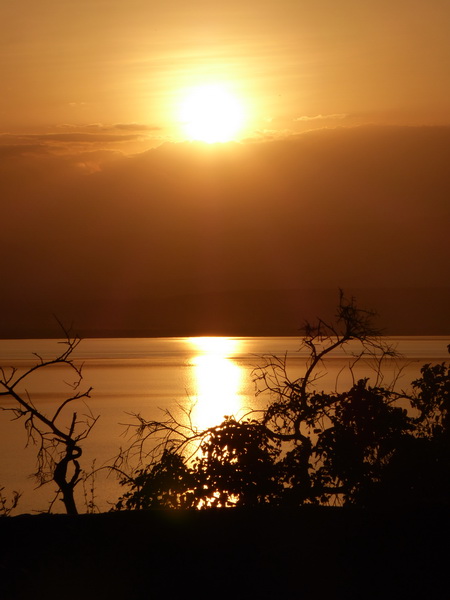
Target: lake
(211,377)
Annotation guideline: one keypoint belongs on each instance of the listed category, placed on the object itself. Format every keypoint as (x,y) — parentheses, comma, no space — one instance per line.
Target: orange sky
(87,66)
(338,178)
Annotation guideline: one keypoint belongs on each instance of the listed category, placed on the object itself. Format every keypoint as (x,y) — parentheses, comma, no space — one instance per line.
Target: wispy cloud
(108,128)
(135,127)
(66,142)
(82,137)
(68,138)
(334,116)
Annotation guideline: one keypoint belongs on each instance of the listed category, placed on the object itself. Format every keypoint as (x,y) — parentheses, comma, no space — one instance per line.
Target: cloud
(86,127)
(70,138)
(338,116)
(104,128)
(135,127)
(67,141)
(84,137)
(269,134)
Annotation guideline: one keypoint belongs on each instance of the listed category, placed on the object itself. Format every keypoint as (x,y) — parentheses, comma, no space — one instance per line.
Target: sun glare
(210,113)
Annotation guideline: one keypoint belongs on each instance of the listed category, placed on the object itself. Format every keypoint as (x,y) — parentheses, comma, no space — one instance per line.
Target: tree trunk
(67,487)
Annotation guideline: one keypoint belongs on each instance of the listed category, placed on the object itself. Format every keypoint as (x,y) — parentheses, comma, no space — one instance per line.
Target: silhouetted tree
(369,445)
(234,463)
(237,465)
(364,432)
(58,435)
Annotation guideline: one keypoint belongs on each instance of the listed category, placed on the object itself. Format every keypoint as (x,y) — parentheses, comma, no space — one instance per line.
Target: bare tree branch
(58,445)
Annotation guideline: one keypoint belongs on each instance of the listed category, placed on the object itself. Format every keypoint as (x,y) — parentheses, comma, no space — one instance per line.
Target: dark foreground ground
(306,553)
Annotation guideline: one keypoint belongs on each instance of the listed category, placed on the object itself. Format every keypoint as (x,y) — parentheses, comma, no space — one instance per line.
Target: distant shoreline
(150,335)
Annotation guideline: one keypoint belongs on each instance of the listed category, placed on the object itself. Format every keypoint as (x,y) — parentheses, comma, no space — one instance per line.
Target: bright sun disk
(210,113)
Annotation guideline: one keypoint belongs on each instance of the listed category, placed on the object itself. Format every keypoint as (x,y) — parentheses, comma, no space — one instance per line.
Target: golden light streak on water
(218,381)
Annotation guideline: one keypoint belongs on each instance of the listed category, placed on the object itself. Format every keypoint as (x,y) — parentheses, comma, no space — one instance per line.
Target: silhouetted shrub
(367,446)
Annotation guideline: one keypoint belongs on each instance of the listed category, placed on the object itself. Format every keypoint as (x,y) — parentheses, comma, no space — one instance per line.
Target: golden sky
(120,68)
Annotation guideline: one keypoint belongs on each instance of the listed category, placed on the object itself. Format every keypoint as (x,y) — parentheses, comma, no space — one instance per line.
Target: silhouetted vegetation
(57,436)
(7,505)
(371,445)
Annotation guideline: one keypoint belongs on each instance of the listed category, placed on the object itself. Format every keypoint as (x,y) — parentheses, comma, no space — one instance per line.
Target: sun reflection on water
(218,381)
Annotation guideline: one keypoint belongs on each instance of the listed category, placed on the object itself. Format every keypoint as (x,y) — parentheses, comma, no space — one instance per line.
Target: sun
(210,113)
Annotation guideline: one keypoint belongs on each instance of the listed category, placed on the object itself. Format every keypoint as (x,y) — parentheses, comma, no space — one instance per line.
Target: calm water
(211,376)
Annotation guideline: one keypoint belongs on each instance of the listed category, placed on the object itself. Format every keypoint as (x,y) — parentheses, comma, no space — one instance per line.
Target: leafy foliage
(370,445)
(433,399)
(236,464)
(365,430)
